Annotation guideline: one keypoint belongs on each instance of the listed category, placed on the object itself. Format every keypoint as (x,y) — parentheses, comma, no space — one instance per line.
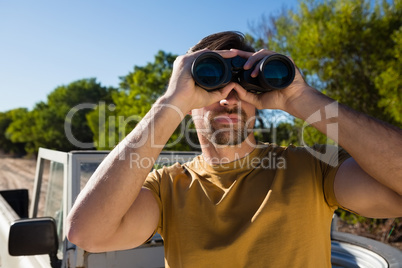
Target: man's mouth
(227,119)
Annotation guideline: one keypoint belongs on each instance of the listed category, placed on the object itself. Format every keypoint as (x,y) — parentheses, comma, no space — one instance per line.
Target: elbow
(400,206)
(75,235)
(399,192)
(398,189)
(80,237)
(83,242)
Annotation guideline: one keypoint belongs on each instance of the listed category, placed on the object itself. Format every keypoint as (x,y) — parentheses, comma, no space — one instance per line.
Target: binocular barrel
(211,71)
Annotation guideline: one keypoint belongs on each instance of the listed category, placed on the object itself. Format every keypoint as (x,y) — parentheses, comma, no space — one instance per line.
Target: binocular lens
(210,71)
(277,73)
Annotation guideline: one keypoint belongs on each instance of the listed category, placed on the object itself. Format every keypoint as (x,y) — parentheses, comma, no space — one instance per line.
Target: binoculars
(211,71)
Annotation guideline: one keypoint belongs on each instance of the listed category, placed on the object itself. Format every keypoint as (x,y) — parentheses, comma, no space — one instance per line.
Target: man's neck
(218,154)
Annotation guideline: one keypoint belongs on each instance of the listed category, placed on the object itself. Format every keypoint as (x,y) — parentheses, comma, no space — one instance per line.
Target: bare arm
(371,182)
(113,211)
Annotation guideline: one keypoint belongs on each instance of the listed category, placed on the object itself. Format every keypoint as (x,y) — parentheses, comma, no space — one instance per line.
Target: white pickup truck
(36,238)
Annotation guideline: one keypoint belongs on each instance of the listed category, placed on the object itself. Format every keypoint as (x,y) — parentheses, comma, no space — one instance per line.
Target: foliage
(384,230)
(348,49)
(389,81)
(44,126)
(24,128)
(7,146)
(288,133)
(298,133)
(138,91)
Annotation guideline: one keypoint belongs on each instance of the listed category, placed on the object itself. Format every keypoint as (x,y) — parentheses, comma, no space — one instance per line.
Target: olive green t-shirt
(272,208)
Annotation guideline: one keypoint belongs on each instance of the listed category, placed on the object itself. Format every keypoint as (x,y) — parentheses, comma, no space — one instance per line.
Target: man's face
(228,122)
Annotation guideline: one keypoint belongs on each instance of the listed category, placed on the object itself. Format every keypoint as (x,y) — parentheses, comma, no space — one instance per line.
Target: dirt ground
(17,173)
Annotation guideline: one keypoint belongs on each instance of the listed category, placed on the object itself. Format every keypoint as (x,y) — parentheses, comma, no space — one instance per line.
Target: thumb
(224,92)
(247,96)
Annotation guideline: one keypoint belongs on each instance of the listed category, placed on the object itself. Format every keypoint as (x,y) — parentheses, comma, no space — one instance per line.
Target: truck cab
(40,240)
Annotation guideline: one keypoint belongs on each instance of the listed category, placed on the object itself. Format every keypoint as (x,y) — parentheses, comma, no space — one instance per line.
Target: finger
(241,53)
(226,53)
(225,91)
(221,93)
(255,58)
(189,57)
(223,53)
(246,96)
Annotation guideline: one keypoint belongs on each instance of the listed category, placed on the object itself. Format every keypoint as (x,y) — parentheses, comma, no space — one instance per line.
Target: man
(231,207)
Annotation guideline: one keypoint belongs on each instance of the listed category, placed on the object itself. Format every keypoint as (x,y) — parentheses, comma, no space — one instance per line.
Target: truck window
(87,169)
(51,196)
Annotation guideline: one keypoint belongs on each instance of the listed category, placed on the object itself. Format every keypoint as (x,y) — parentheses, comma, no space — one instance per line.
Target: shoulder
(164,171)
(325,154)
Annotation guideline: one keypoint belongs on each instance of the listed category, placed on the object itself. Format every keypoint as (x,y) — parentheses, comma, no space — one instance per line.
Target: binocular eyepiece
(211,71)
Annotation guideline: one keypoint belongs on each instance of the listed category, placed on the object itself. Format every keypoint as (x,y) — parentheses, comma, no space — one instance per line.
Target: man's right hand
(184,93)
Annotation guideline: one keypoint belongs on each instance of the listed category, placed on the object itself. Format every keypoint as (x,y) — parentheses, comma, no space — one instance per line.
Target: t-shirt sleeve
(153,183)
(330,159)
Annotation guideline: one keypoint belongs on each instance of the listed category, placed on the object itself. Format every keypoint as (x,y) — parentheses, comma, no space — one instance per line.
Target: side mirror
(33,237)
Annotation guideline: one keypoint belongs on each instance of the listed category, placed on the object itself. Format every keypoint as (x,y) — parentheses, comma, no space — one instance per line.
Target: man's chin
(227,139)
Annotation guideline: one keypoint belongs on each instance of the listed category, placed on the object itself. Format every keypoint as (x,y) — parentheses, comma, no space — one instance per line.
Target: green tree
(348,49)
(351,51)
(8,146)
(24,128)
(139,89)
(61,122)
(389,81)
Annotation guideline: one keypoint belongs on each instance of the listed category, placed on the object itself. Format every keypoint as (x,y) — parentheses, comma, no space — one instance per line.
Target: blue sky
(45,44)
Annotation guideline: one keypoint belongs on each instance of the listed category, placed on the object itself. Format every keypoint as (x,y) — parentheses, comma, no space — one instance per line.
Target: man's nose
(231,100)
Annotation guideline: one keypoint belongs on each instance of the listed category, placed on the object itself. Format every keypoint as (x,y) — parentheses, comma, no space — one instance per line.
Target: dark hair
(223,41)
